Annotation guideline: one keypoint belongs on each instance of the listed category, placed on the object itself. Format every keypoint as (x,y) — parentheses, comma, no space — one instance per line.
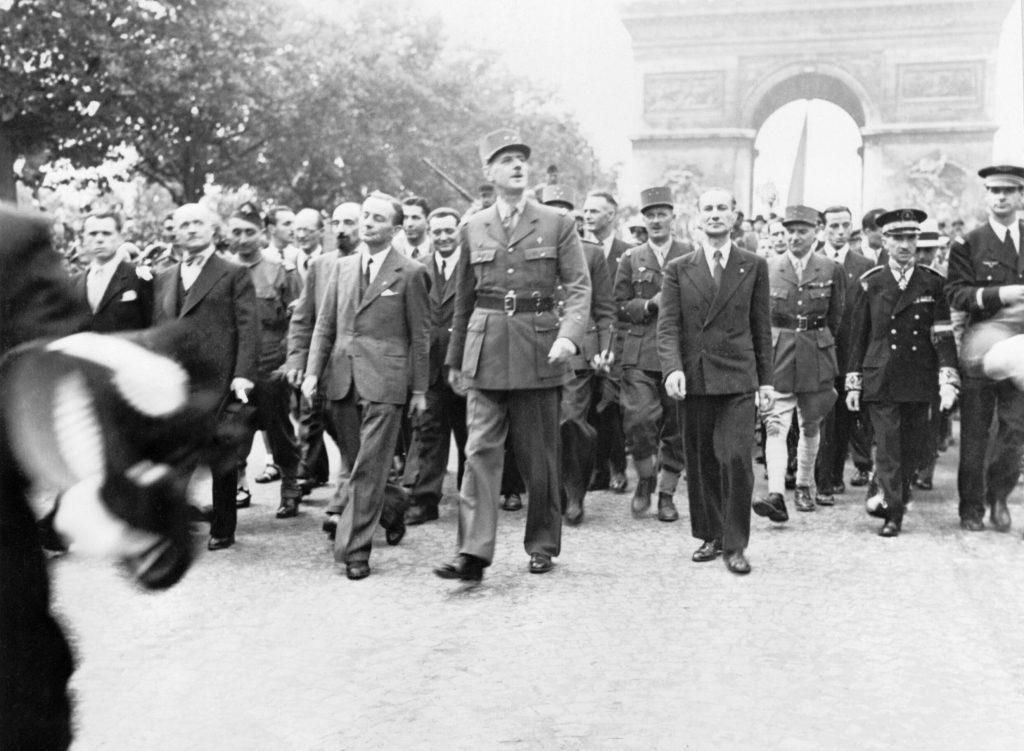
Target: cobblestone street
(838,640)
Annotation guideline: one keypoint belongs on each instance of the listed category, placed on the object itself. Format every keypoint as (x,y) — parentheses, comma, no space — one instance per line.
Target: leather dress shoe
(289,507)
(243,498)
(708,551)
(465,567)
(972,525)
(824,499)
(736,562)
(772,506)
(394,534)
(220,543)
(511,502)
(802,499)
(642,495)
(860,478)
(574,513)
(540,563)
(618,483)
(357,570)
(838,489)
(330,526)
(666,508)
(923,483)
(1000,516)
(891,528)
(420,514)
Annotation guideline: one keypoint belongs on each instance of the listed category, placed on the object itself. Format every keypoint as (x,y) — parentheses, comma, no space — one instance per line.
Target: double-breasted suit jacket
(639,279)
(722,342)
(499,351)
(127,303)
(379,343)
(805,314)
(893,332)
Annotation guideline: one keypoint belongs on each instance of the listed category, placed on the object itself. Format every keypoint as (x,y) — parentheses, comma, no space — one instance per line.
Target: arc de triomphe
(917,77)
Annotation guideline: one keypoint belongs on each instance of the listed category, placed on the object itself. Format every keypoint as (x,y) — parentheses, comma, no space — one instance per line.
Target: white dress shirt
(98,280)
(378,258)
(709,255)
(449,263)
(191,272)
(1000,230)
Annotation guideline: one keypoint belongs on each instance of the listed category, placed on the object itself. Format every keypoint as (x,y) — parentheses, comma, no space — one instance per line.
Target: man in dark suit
(843,431)
(650,416)
(119,295)
(599,212)
(986,274)
(216,299)
(715,343)
(901,350)
(445,415)
(36,301)
(511,352)
(375,331)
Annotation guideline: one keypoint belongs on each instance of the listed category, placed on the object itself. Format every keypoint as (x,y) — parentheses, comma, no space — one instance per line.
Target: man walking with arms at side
(715,343)
(510,352)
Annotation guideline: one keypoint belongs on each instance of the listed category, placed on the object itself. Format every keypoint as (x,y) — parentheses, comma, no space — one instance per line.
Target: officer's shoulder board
(933,271)
(870,272)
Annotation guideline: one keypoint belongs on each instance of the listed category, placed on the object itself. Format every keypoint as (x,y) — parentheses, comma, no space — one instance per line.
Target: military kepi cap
(1003,176)
(498,141)
(800,215)
(655,197)
(248,212)
(557,195)
(901,221)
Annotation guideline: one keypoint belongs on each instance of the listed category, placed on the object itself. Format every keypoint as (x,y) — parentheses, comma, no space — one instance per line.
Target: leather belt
(799,323)
(511,302)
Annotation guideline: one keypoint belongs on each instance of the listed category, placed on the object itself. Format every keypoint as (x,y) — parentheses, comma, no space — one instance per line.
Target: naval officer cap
(498,141)
(653,197)
(800,215)
(1003,176)
(558,196)
(901,222)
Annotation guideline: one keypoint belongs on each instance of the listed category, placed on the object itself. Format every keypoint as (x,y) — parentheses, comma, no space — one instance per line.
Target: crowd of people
(551,348)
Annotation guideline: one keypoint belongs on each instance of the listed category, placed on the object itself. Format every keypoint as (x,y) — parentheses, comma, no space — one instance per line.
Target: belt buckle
(801,323)
(510,302)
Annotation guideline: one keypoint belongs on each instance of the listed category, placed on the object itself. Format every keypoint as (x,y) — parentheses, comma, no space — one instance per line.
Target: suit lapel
(212,271)
(492,221)
(700,276)
(998,251)
(387,276)
(117,284)
(786,270)
(733,275)
(526,225)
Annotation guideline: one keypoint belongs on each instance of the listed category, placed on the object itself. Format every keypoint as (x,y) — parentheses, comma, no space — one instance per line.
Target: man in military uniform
(902,345)
(806,290)
(986,274)
(579,436)
(510,353)
(650,416)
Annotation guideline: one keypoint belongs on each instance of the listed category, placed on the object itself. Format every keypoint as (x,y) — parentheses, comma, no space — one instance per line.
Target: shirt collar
(108,266)
(378,257)
(830,253)
(205,256)
(1000,230)
(504,207)
(451,260)
(799,264)
(709,252)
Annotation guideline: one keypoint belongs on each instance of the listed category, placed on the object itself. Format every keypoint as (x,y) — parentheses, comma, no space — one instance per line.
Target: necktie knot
(717,271)
(510,220)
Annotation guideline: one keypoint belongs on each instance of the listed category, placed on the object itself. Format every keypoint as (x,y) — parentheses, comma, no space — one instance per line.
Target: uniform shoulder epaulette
(864,277)
(934,271)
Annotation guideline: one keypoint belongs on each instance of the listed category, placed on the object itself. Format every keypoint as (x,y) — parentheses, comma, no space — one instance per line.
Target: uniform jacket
(853,267)
(276,289)
(127,304)
(981,262)
(602,308)
(638,280)
(805,361)
(379,344)
(307,308)
(442,308)
(220,308)
(499,351)
(892,344)
(722,342)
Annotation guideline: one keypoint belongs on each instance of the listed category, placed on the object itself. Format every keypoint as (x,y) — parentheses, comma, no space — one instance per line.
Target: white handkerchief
(388,293)
(129,296)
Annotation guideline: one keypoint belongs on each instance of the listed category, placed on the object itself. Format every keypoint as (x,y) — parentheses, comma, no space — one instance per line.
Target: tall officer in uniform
(511,353)
(894,364)
(579,436)
(806,308)
(650,416)
(986,273)
(715,344)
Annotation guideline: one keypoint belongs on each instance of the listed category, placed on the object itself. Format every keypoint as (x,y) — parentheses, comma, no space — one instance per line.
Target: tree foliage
(306,109)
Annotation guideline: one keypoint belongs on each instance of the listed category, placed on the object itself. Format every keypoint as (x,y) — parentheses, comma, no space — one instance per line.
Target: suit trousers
(579,437)
(651,419)
(313,421)
(444,417)
(899,428)
(843,433)
(530,417)
(271,397)
(606,417)
(367,433)
(718,436)
(989,464)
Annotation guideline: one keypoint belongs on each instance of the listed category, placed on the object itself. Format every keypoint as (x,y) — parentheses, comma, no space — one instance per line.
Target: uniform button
(799,302)
(893,346)
(893,331)
(511,271)
(917,318)
(914,348)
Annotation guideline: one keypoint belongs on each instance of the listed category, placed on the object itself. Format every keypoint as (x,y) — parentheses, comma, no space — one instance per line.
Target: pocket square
(129,296)
(388,293)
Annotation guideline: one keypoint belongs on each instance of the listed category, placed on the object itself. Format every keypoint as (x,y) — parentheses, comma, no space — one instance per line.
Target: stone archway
(917,76)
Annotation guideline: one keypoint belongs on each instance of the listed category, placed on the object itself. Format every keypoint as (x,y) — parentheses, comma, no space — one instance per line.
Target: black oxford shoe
(772,506)
(289,508)
(618,483)
(666,508)
(891,528)
(220,543)
(860,478)
(395,532)
(540,563)
(737,563)
(708,551)
(357,570)
(574,513)
(465,567)
(802,499)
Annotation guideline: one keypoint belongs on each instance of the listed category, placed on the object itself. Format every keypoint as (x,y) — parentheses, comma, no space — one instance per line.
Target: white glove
(853,401)
(947,397)
(241,387)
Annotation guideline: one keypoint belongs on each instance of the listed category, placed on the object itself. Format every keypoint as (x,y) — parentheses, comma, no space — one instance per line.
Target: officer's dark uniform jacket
(805,316)
(900,338)
(638,280)
(982,262)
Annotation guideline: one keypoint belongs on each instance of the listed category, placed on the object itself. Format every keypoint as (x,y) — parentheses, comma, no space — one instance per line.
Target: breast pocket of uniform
(475,331)
(644,283)
(483,255)
(819,299)
(777,296)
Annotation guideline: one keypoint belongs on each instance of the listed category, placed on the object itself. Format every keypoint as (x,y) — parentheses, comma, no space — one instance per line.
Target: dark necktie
(444,270)
(305,263)
(717,273)
(415,253)
(510,220)
(366,279)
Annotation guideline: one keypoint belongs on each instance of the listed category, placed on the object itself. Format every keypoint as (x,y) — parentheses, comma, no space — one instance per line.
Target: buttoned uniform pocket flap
(779,294)
(482,256)
(536,254)
(820,293)
(643,275)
